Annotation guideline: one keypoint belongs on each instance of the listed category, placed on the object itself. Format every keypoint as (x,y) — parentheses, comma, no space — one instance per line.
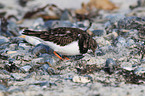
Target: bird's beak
(94,54)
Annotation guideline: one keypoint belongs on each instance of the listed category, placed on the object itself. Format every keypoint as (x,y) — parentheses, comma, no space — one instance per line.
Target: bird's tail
(41,34)
(33,33)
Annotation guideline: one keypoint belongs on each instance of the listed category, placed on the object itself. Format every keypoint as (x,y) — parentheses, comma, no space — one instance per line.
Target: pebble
(11,52)
(120,41)
(110,65)
(1,6)
(128,68)
(81,79)
(140,71)
(24,46)
(57,23)
(130,42)
(37,60)
(115,18)
(16,54)
(17,76)
(102,42)
(111,36)
(93,60)
(2,93)
(42,83)
(48,58)
(130,22)
(41,49)
(45,67)
(99,32)
(3,88)
(142,60)
(3,40)
(13,89)
(27,57)
(14,28)
(12,46)
(99,52)
(66,16)
(38,24)
(26,68)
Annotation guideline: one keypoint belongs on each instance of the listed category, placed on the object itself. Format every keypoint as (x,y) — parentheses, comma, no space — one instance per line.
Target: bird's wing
(62,35)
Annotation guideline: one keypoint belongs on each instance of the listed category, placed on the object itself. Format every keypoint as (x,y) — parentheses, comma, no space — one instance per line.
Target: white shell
(81,79)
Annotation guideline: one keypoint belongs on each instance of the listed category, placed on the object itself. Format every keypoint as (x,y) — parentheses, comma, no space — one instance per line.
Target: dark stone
(41,49)
(98,32)
(110,66)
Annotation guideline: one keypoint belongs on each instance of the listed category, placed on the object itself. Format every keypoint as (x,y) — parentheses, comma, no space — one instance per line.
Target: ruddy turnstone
(66,41)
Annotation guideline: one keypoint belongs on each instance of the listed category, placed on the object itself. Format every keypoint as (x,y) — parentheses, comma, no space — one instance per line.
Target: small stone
(42,83)
(58,23)
(3,40)
(81,79)
(12,46)
(26,68)
(38,24)
(99,52)
(115,18)
(13,89)
(2,87)
(99,32)
(45,66)
(24,46)
(17,76)
(130,42)
(1,6)
(111,35)
(11,52)
(37,60)
(11,60)
(2,93)
(41,49)
(102,42)
(128,68)
(27,57)
(17,40)
(48,58)
(142,60)
(66,16)
(13,27)
(140,71)
(110,65)
(120,41)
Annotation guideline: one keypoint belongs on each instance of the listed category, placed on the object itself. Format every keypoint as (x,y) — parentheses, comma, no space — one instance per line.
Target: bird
(66,41)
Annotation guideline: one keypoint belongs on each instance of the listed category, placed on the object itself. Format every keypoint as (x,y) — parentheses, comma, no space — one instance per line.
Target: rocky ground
(29,68)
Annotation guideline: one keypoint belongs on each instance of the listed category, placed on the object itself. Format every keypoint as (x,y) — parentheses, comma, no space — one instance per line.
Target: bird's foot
(64,57)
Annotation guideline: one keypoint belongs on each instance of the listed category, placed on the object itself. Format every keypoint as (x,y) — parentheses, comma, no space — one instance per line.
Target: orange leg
(60,57)
(66,58)
(57,55)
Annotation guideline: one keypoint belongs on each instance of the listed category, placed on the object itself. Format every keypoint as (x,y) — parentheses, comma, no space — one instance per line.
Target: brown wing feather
(61,35)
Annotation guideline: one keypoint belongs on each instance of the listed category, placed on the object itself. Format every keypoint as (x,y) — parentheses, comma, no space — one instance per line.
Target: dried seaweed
(31,13)
(87,69)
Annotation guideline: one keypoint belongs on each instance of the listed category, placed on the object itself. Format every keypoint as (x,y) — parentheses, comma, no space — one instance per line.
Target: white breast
(70,49)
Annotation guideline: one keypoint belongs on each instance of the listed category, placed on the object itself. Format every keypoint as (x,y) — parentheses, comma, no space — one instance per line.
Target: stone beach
(28,67)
